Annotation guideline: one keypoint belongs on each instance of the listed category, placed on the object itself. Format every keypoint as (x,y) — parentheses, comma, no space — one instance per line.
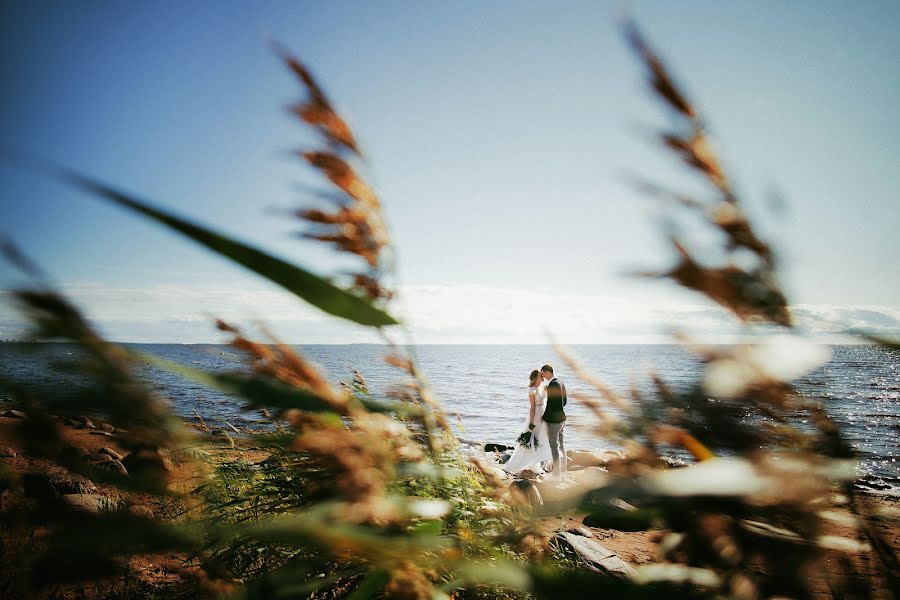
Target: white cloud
(437,313)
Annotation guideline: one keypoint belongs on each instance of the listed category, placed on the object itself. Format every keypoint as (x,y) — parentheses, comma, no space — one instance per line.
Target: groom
(555,418)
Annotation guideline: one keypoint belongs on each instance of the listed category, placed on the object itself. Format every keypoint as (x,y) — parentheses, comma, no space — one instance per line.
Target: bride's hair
(533,377)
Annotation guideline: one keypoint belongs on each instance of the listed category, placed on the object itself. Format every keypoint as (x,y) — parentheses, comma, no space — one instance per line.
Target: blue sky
(497,134)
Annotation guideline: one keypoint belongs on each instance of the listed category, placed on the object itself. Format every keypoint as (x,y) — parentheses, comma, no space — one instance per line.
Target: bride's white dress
(530,457)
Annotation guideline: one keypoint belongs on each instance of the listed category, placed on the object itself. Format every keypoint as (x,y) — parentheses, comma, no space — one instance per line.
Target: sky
(498,135)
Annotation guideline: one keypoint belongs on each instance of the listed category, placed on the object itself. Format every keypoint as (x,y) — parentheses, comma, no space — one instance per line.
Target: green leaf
(371,585)
(319,292)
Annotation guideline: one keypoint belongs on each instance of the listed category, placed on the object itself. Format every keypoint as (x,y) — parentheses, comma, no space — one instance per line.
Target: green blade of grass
(310,287)
(371,585)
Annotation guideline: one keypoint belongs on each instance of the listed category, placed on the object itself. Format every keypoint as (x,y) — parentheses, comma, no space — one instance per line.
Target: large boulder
(591,554)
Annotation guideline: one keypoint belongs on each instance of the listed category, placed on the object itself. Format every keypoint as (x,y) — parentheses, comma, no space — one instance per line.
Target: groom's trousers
(557,447)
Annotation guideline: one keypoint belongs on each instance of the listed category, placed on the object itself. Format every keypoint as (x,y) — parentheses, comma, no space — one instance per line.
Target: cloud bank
(437,313)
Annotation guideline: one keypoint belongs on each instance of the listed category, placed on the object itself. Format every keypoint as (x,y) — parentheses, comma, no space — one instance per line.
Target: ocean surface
(486,386)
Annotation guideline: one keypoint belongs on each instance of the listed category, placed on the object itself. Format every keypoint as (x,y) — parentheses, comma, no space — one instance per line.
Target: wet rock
(7,452)
(591,554)
(504,458)
(139,510)
(92,503)
(497,447)
(524,493)
(112,465)
(14,414)
(110,452)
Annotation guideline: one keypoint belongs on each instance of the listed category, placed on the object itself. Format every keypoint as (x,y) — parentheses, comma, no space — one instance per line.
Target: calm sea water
(485,385)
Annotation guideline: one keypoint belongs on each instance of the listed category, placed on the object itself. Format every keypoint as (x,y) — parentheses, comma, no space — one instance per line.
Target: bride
(537,450)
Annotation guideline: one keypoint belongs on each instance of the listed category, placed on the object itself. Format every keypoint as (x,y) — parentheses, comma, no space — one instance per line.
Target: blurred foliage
(353,496)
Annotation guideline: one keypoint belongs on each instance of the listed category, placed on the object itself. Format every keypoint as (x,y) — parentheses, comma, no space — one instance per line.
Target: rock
(582,531)
(110,452)
(112,465)
(38,485)
(97,432)
(51,485)
(621,516)
(497,447)
(7,452)
(92,503)
(14,414)
(84,423)
(71,454)
(139,510)
(574,486)
(591,554)
(148,462)
(504,458)
(106,427)
(579,458)
(524,493)
(622,505)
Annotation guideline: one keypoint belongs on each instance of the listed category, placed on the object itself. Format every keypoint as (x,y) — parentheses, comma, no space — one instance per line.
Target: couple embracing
(542,442)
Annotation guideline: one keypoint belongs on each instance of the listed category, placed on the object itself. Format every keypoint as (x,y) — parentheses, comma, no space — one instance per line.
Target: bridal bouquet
(527,439)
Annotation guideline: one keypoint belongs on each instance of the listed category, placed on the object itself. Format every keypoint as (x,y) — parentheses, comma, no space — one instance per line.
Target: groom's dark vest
(556,399)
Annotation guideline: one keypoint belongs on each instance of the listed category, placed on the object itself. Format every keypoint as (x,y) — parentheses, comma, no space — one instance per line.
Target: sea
(483,387)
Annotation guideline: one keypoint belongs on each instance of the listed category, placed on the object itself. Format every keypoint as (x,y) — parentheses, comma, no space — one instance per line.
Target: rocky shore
(617,552)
